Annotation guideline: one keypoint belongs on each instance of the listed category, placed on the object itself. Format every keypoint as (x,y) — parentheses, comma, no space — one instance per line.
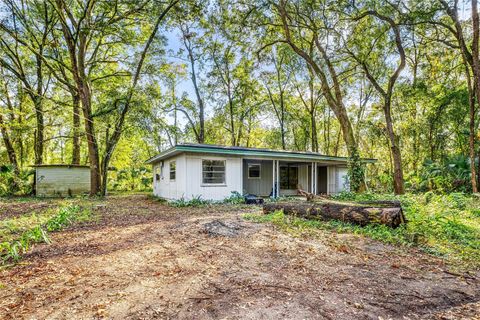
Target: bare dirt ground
(13,209)
(143,260)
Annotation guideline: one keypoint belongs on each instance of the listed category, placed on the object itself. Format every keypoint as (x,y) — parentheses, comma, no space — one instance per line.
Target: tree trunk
(76,129)
(398,183)
(357,214)
(93,155)
(476,83)
(471,136)
(201,106)
(314,131)
(232,122)
(12,156)
(39,133)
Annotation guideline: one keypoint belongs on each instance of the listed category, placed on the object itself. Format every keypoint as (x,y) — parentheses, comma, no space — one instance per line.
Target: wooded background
(111,83)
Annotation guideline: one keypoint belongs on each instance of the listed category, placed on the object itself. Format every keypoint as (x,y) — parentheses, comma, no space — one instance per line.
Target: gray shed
(61,180)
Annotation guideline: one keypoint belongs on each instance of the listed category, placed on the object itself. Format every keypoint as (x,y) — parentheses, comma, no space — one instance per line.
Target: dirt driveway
(146,260)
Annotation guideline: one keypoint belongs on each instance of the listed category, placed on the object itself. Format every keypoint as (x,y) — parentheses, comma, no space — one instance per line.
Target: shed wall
(62,181)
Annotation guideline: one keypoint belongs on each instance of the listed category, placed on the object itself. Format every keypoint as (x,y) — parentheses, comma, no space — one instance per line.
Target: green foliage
(356,171)
(235,198)
(11,183)
(196,201)
(444,225)
(132,179)
(450,175)
(12,250)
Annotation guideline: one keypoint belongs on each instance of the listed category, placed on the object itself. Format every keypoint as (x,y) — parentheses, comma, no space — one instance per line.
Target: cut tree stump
(357,214)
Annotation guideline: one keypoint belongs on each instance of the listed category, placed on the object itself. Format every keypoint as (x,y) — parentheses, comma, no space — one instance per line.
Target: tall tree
(470,59)
(375,76)
(303,30)
(276,83)
(25,36)
(189,38)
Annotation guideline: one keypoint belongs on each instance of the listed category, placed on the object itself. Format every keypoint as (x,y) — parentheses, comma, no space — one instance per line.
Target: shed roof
(244,151)
(60,165)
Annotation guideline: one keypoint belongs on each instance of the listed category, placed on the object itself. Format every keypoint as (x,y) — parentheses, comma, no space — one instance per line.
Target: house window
(173,170)
(157,173)
(213,171)
(289,177)
(254,171)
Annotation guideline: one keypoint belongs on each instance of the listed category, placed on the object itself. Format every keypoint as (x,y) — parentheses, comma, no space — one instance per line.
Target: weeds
(13,249)
(196,201)
(235,198)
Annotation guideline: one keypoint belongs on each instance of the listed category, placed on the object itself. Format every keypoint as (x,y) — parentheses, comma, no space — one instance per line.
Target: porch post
(278,178)
(328,179)
(315,179)
(312,175)
(273,179)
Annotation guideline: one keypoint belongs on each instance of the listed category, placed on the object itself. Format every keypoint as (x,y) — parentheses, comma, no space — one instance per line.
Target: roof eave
(162,155)
(258,153)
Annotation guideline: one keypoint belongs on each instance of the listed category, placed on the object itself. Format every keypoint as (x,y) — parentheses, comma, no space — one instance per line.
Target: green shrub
(196,201)
(452,174)
(235,198)
(13,184)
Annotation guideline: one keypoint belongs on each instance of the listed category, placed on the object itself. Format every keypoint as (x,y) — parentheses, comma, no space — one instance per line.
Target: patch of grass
(443,225)
(18,234)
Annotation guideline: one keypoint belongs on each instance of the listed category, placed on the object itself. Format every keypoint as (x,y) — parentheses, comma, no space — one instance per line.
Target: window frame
(259,171)
(174,162)
(213,184)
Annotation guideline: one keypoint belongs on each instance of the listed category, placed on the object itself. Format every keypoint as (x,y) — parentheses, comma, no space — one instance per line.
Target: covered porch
(275,178)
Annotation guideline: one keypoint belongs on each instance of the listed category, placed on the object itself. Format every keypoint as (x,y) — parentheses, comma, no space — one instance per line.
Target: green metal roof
(243,151)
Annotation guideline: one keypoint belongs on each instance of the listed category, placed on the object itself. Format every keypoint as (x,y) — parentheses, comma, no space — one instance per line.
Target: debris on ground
(218,228)
(142,259)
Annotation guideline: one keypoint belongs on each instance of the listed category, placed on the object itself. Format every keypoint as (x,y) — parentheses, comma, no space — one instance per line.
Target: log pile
(361,214)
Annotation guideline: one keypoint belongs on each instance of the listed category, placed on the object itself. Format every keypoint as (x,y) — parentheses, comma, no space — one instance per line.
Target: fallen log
(352,213)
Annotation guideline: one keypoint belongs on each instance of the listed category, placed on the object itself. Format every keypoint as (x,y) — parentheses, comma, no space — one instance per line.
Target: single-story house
(213,172)
(61,180)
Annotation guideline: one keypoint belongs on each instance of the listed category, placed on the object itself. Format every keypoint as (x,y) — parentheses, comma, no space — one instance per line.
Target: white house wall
(262,186)
(303,178)
(166,188)
(342,179)
(195,186)
(189,184)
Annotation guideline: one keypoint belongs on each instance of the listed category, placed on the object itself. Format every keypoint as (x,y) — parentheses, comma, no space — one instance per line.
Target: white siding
(189,184)
(195,186)
(62,181)
(166,188)
(303,178)
(332,179)
(342,179)
(262,186)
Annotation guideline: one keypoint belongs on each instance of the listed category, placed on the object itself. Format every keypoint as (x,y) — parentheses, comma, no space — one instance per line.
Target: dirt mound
(218,228)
